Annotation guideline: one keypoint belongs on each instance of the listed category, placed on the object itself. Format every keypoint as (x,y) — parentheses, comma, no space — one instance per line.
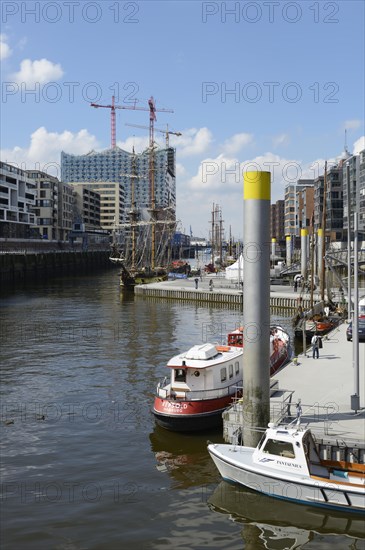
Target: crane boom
(151,108)
(112,108)
(167,132)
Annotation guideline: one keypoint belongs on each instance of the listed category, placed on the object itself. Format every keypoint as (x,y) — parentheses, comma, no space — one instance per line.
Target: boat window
(279,448)
(235,339)
(230,370)
(237,366)
(180,375)
(223,374)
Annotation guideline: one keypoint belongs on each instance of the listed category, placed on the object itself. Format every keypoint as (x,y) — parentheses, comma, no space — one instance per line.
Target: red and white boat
(205,379)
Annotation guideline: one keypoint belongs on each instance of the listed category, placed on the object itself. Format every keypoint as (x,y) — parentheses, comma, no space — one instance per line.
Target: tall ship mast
(144,256)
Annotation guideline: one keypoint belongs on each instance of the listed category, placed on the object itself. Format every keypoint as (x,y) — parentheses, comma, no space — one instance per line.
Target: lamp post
(348,242)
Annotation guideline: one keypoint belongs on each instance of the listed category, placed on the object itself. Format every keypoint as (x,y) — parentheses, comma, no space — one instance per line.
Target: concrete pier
(324,387)
(224,293)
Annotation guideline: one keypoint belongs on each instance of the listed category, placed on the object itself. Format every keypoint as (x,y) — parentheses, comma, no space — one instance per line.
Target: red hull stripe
(178,407)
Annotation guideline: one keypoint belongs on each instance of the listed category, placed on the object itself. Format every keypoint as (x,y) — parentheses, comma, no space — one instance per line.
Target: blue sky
(269,83)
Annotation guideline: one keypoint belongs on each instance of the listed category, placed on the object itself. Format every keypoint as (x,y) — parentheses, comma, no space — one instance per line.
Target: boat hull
(189,416)
(327,493)
(129,282)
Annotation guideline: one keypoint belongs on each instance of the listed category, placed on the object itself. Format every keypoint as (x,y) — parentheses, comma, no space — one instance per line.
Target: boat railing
(165,391)
(320,418)
(212,394)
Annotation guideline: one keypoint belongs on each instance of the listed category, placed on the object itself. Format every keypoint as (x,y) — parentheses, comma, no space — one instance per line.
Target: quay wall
(29,266)
(216,297)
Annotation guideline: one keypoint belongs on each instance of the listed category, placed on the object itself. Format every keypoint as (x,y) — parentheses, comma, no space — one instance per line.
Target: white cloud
(44,151)
(180,170)
(219,173)
(192,142)
(41,71)
(359,145)
(281,139)
(5,50)
(140,143)
(236,143)
(353,124)
(224,173)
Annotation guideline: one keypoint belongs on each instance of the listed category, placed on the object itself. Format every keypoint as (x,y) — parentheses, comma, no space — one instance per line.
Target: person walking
(295,285)
(211,285)
(315,345)
(196,283)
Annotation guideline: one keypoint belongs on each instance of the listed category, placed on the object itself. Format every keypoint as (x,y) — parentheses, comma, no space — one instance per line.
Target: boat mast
(152,182)
(312,264)
(212,249)
(324,213)
(133,211)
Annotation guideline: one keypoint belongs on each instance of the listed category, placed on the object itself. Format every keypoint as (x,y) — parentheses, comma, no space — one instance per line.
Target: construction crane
(112,108)
(153,111)
(167,132)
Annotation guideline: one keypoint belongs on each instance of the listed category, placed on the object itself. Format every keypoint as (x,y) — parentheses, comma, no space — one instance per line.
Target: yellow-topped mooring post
(256,304)
(320,253)
(288,249)
(273,251)
(303,252)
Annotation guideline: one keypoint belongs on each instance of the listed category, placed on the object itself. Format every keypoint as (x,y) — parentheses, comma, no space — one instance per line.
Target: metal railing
(166,392)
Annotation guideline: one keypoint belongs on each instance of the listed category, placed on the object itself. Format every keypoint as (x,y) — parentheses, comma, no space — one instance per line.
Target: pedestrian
(211,285)
(196,283)
(315,345)
(295,285)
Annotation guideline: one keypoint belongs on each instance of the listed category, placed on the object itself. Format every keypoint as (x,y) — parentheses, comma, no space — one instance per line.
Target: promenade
(224,292)
(324,386)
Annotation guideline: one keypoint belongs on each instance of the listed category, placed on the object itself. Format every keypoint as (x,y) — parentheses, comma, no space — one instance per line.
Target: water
(83,465)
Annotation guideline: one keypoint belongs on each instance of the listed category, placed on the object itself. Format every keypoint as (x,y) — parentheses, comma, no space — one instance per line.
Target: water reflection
(279,524)
(183,457)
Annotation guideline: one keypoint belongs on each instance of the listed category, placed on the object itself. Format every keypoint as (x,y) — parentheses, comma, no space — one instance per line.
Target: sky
(254,85)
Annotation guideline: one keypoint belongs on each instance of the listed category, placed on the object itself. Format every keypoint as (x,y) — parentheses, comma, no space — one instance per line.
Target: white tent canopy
(234,272)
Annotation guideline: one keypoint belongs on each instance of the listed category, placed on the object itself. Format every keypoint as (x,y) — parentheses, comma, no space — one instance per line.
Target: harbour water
(83,465)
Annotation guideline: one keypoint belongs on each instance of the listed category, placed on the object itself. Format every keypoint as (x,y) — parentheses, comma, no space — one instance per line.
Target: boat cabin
(288,449)
(204,371)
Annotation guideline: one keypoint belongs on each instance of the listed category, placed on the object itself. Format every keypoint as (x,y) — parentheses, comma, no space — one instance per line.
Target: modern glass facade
(117,168)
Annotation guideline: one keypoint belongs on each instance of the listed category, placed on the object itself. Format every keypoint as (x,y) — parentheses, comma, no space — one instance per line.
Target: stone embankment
(25,265)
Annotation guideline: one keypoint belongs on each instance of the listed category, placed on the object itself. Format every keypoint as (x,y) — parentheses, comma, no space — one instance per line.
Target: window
(223,374)
(279,448)
(180,375)
(237,367)
(230,370)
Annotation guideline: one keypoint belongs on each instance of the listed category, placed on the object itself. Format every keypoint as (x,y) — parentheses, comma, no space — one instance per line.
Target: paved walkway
(327,383)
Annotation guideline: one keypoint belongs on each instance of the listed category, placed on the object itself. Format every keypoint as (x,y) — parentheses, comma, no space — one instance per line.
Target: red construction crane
(167,132)
(112,108)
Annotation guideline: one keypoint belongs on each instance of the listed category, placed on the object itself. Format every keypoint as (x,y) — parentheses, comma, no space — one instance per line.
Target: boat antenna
(299,412)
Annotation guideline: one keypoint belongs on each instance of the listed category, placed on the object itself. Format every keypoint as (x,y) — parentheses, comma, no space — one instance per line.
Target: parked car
(361,330)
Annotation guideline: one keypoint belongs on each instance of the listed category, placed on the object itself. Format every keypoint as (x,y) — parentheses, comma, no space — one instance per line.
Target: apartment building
(53,206)
(86,206)
(17,200)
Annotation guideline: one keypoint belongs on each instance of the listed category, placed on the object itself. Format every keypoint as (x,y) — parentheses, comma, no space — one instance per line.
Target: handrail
(196,395)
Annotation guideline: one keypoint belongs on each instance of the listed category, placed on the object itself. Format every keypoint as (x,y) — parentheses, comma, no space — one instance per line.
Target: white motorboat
(286,465)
